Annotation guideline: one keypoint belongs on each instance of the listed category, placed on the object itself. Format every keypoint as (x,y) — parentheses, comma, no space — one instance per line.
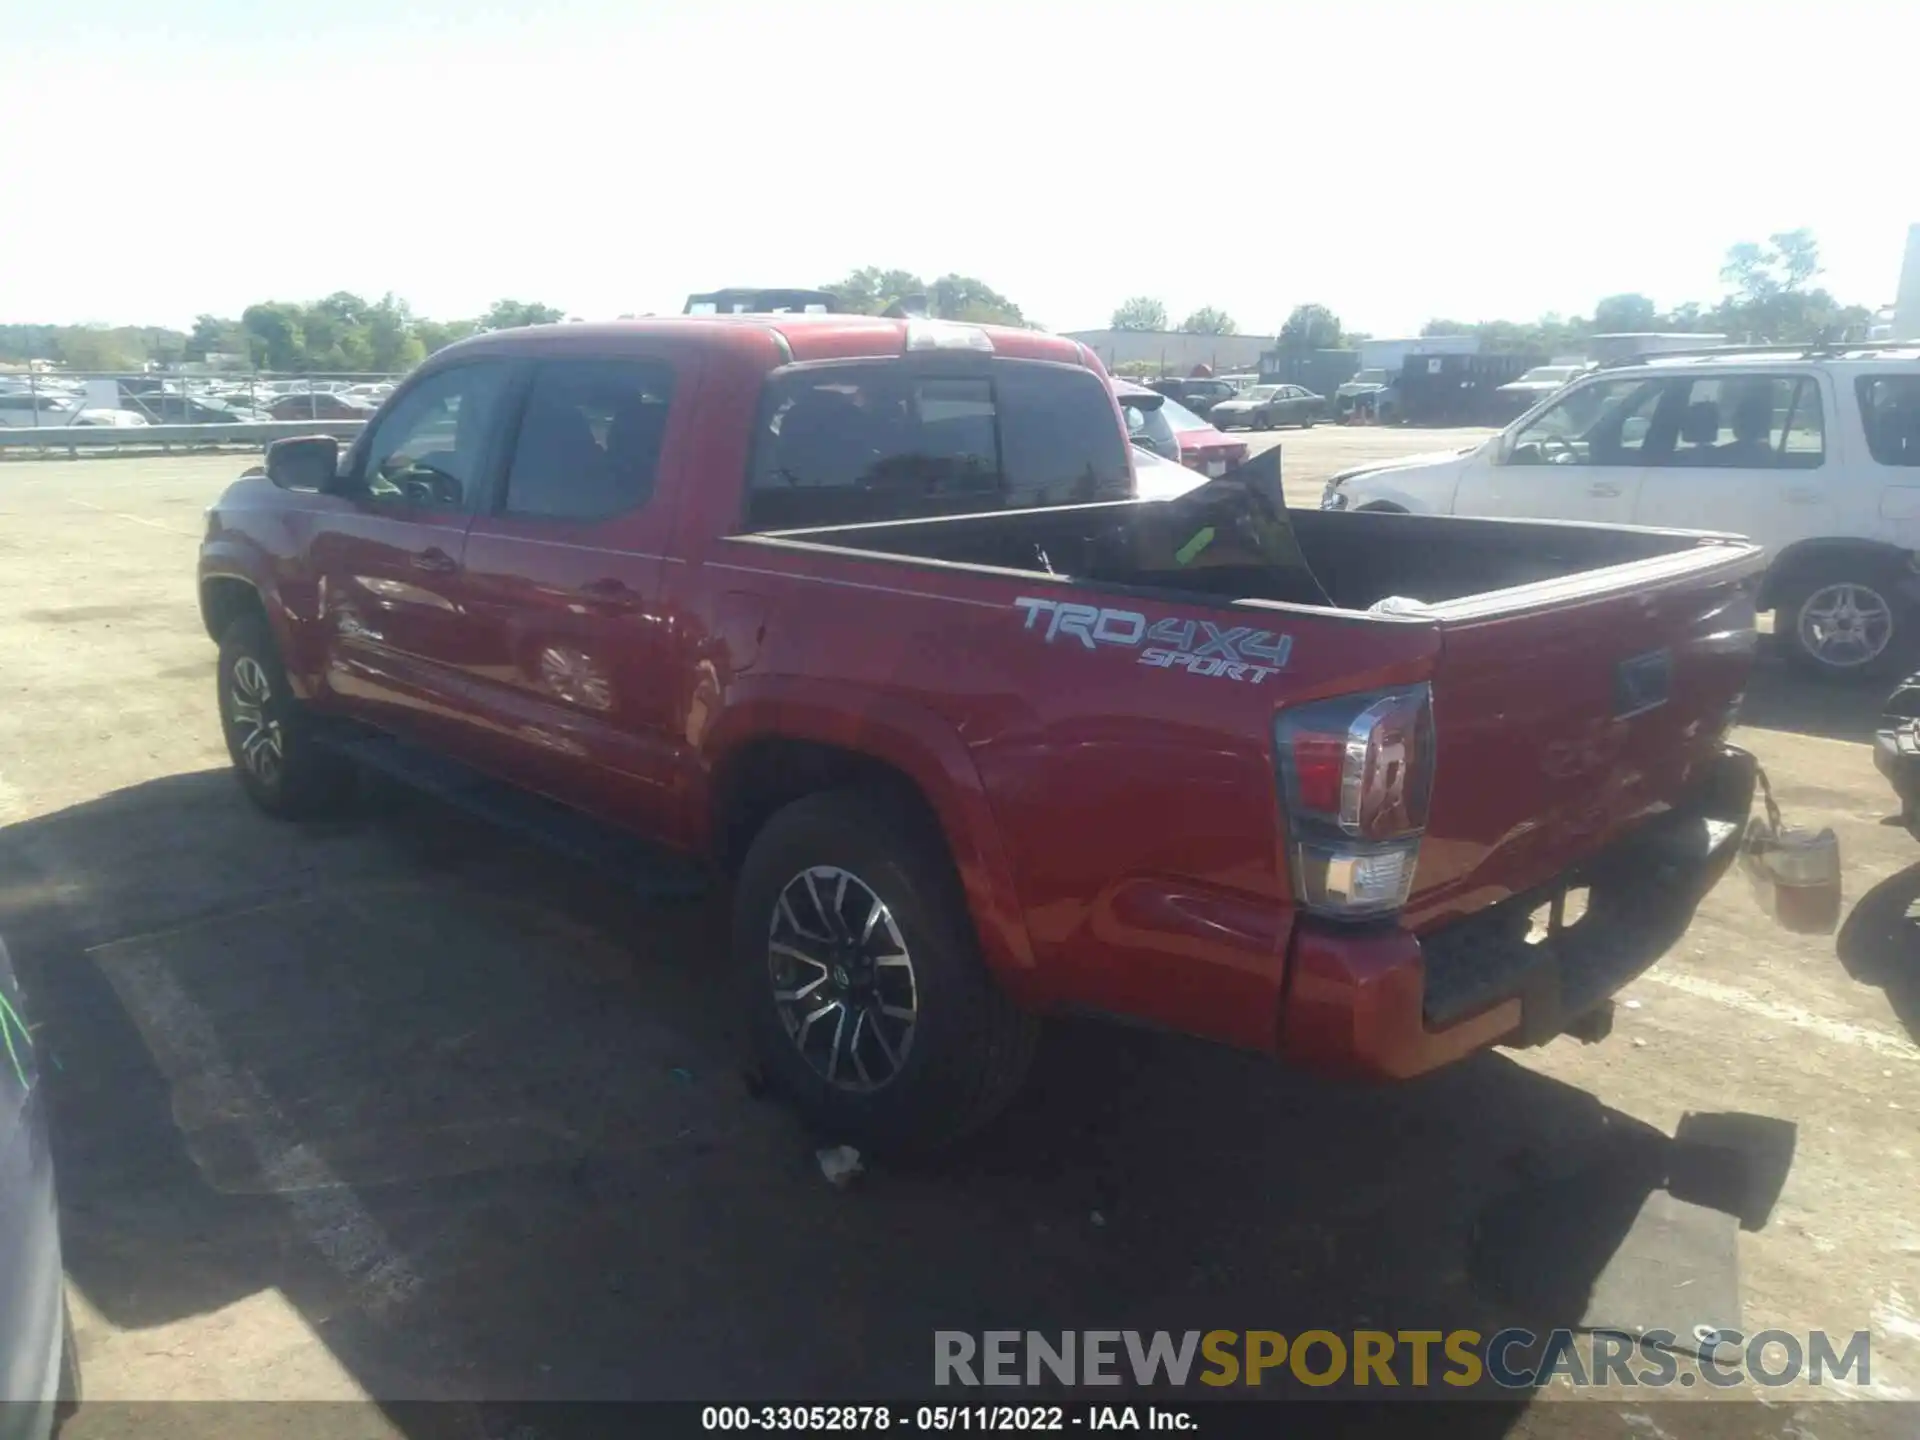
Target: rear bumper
(1384,1003)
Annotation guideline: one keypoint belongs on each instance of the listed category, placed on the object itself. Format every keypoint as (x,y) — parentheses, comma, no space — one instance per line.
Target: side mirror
(304,462)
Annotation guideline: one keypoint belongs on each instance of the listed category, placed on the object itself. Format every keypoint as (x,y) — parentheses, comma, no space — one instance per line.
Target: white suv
(1814,453)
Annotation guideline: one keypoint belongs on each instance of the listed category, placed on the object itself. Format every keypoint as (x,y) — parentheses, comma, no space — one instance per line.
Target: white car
(37,411)
(1814,453)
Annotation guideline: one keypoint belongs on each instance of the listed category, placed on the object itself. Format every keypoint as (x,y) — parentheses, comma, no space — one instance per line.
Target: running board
(655,873)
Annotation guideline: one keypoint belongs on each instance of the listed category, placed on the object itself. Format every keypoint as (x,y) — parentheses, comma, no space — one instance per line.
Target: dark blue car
(34,1358)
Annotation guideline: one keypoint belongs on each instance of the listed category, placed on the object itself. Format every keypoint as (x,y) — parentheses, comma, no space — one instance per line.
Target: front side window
(589,439)
(1605,423)
(871,441)
(1890,412)
(428,453)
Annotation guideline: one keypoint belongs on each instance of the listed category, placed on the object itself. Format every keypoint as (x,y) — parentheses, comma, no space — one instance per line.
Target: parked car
(37,1365)
(19,411)
(1813,453)
(1539,383)
(1169,429)
(1267,407)
(1369,392)
(320,405)
(163,409)
(863,614)
(1199,395)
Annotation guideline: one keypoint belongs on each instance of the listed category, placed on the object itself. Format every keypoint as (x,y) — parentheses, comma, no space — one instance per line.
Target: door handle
(1606,489)
(1803,495)
(612,592)
(436,560)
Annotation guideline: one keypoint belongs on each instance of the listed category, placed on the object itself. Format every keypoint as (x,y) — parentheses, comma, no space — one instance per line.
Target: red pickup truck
(862,615)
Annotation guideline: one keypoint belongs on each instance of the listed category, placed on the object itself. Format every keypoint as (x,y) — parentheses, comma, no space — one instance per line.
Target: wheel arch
(1801,561)
(783,744)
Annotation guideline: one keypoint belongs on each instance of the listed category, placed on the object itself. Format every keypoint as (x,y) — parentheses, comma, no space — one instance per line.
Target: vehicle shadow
(1880,943)
(482,1121)
(1779,698)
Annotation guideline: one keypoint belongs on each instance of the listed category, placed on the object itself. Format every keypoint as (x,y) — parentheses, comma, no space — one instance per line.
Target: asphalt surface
(401,1108)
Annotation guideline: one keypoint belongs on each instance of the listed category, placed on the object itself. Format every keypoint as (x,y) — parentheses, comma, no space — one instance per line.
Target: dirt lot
(401,1108)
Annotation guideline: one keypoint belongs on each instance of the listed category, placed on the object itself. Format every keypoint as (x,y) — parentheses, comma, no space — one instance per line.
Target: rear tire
(1843,626)
(269,733)
(924,1047)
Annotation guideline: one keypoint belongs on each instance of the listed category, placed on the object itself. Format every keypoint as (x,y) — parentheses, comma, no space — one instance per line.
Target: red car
(1163,425)
(861,615)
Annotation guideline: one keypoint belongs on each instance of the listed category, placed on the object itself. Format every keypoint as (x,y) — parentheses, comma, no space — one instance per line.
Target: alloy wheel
(843,979)
(1845,625)
(258,735)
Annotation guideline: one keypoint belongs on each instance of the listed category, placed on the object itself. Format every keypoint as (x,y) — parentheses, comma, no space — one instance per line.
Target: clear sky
(1394,161)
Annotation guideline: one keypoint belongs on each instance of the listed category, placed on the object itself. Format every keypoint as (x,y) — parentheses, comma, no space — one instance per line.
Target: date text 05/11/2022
(1200,647)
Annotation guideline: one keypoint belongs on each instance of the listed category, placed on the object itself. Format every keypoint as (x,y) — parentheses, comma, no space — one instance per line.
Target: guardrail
(121,437)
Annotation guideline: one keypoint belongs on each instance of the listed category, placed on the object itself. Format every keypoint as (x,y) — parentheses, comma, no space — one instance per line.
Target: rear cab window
(874,440)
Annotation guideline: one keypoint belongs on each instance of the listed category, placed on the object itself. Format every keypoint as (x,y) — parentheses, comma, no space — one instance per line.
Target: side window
(1770,422)
(846,444)
(1605,423)
(1890,413)
(427,452)
(589,440)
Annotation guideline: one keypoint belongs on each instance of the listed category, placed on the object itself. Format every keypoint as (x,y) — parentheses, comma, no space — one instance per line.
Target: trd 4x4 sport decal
(1197,646)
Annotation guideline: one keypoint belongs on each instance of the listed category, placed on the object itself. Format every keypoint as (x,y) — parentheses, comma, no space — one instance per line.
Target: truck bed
(1583,675)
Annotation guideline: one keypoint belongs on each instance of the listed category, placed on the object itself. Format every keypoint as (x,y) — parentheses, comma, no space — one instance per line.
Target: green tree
(215,335)
(276,335)
(96,347)
(961,297)
(512,314)
(1142,312)
(1310,327)
(1209,321)
(1625,314)
(438,334)
(870,290)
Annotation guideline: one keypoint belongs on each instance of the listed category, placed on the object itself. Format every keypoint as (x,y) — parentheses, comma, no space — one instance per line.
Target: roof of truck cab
(804,336)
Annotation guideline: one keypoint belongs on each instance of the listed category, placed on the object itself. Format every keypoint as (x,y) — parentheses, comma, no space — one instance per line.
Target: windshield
(1370,377)
(1180,419)
(1144,424)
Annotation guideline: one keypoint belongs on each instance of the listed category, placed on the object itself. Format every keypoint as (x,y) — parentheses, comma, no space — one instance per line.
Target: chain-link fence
(61,398)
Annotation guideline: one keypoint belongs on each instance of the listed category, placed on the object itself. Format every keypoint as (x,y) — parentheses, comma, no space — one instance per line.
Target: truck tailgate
(1566,712)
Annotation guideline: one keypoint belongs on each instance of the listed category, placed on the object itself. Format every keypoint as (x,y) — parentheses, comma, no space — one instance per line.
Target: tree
(95,347)
(512,314)
(1310,327)
(961,297)
(215,335)
(1625,314)
(438,334)
(276,335)
(1209,321)
(1142,312)
(870,290)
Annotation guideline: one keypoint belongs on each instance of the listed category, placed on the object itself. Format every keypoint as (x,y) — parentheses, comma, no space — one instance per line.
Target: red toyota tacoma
(862,616)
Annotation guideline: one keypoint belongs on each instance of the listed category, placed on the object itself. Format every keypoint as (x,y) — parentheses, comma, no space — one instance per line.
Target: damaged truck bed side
(881,633)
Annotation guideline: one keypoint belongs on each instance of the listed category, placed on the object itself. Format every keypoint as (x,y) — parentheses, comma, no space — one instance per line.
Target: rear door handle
(1804,495)
(436,560)
(1603,488)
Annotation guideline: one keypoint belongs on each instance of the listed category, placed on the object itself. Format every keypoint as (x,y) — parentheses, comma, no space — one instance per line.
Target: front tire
(268,732)
(1843,626)
(869,1004)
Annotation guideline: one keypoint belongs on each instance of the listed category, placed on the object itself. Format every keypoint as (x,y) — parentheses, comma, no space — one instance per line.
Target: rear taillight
(1356,775)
